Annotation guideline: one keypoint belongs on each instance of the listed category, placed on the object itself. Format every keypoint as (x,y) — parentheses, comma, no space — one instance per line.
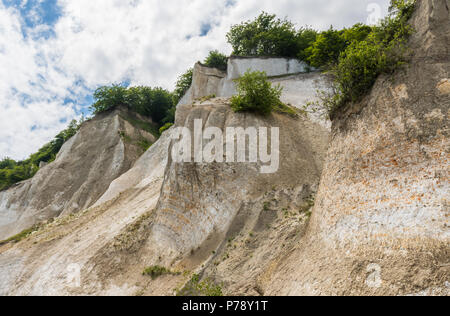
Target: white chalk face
(234,145)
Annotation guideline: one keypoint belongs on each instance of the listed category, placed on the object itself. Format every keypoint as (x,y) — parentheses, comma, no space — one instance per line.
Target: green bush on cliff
(183,84)
(151,102)
(165,128)
(216,60)
(264,36)
(381,52)
(255,94)
(329,45)
(326,49)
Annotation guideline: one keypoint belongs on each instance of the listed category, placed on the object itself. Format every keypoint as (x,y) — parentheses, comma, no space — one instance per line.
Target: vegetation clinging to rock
(157,271)
(183,84)
(255,94)
(151,102)
(165,127)
(196,287)
(217,60)
(12,171)
(382,51)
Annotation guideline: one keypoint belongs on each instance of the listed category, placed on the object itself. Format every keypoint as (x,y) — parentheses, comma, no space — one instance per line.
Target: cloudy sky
(54,53)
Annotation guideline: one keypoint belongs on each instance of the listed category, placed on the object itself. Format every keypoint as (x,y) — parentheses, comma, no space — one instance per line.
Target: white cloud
(99,42)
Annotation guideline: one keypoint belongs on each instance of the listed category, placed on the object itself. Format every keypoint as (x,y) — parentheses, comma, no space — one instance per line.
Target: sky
(55,53)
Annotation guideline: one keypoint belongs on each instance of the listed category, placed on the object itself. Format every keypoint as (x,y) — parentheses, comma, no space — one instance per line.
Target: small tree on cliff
(256,94)
(216,60)
(266,35)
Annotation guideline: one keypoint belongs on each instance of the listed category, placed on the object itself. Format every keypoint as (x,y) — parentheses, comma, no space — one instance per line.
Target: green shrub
(356,33)
(255,94)
(108,97)
(382,52)
(306,38)
(165,127)
(195,287)
(326,49)
(265,36)
(324,52)
(147,101)
(156,271)
(216,60)
(182,86)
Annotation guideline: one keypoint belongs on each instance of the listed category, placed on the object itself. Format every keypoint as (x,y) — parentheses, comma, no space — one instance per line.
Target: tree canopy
(151,102)
(217,60)
(266,35)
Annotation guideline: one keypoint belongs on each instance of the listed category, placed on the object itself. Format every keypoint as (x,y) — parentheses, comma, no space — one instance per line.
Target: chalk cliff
(380,225)
(103,149)
(361,212)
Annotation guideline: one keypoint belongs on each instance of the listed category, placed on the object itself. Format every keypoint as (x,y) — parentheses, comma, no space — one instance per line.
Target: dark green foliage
(147,101)
(356,33)
(326,49)
(12,171)
(170,115)
(183,84)
(255,94)
(108,97)
(216,60)
(305,37)
(381,52)
(265,36)
(329,45)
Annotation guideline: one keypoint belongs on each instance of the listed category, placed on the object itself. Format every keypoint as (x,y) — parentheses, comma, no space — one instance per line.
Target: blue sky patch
(205,28)
(35,12)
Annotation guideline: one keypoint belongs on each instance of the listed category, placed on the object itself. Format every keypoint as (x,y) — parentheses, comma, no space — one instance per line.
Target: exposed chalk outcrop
(381,220)
(101,151)
(299,82)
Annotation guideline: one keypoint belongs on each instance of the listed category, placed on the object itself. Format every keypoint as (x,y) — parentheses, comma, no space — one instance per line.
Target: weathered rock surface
(299,84)
(379,224)
(60,259)
(103,149)
(167,213)
(199,200)
(381,221)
